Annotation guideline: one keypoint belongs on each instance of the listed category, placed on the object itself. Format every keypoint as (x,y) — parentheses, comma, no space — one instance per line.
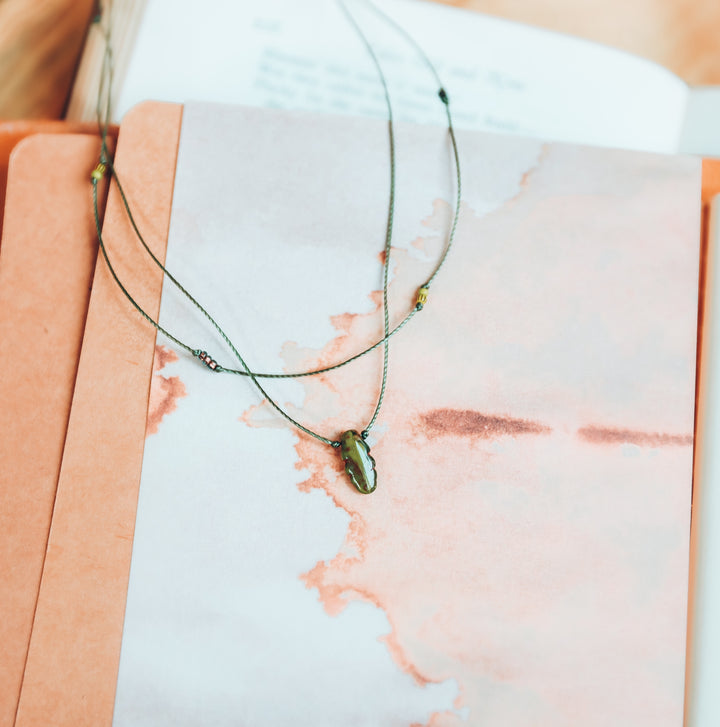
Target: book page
(525,556)
(701,129)
(501,76)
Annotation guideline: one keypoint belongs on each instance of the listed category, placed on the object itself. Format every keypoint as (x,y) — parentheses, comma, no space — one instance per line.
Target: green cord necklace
(354,450)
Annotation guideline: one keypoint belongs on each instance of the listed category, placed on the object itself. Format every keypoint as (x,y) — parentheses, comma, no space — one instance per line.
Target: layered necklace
(352,443)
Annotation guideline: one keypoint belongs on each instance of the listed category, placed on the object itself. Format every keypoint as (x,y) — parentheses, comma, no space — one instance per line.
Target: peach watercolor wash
(547,551)
(164,390)
(528,541)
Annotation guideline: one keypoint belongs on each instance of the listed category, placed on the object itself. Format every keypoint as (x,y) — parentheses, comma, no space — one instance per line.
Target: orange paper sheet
(12,132)
(74,650)
(48,255)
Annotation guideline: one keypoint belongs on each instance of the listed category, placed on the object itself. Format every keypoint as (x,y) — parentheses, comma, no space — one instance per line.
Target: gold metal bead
(422,296)
(99,171)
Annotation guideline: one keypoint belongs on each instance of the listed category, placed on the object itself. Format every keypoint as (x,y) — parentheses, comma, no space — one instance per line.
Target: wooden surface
(40,43)
(41,40)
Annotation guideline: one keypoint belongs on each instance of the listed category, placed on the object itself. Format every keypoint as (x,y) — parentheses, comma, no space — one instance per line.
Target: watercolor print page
(524,557)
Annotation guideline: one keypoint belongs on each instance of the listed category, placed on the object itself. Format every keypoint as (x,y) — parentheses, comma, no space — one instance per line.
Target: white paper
(701,131)
(501,76)
(489,577)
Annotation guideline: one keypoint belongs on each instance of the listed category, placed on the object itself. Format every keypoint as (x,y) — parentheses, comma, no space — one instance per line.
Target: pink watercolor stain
(595,434)
(469,423)
(164,390)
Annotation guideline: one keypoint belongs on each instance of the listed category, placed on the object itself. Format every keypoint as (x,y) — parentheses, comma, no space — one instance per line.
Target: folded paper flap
(75,642)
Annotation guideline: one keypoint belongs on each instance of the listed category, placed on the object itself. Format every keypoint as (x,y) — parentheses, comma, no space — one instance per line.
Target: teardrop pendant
(359,463)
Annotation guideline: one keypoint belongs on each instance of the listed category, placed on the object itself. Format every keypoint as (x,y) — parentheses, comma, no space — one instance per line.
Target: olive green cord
(391,217)
(442,95)
(223,369)
(106,162)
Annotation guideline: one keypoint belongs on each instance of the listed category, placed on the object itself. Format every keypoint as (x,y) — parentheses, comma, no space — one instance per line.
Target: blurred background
(41,40)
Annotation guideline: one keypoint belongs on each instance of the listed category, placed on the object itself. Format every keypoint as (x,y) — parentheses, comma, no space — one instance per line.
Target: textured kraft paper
(72,666)
(46,267)
(74,648)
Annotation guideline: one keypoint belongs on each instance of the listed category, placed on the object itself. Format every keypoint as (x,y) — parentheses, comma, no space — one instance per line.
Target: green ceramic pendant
(359,464)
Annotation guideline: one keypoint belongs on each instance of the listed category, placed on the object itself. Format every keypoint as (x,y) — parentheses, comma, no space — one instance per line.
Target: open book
(501,76)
